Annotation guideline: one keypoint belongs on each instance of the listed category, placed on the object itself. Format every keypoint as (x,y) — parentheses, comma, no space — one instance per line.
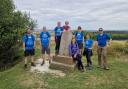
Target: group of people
(79,42)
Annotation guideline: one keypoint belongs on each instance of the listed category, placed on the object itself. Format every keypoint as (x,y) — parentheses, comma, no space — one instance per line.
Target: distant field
(116,35)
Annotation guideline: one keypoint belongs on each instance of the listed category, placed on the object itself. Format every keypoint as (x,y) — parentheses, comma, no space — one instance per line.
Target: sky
(90,14)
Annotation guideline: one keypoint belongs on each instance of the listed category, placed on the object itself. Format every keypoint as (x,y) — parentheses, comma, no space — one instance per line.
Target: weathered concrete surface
(63,59)
(65,41)
(63,63)
(62,67)
(45,68)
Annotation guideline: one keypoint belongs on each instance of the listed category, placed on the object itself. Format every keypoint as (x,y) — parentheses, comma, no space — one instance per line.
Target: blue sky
(90,14)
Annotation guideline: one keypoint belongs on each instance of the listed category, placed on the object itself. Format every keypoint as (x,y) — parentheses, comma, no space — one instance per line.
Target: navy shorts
(29,52)
(45,50)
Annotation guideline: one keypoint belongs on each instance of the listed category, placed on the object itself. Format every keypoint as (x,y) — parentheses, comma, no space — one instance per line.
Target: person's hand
(75,55)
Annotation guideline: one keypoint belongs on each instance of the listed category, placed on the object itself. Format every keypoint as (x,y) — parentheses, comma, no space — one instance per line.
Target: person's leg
(99,57)
(87,60)
(25,62)
(49,56)
(105,59)
(59,44)
(26,54)
(75,61)
(88,56)
(79,61)
(81,48)
(43,55)
(56,45)
(32,53)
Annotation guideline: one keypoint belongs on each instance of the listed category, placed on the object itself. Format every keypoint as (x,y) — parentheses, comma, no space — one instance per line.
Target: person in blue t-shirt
(29,47)
(79,38)
(75,53)
(58,33)
(45,44)
(88,43)
(101,39)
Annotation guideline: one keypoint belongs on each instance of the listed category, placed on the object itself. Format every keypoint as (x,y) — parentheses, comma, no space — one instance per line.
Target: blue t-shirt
(45,36)
(29,41)
(58,31)
(79,37)
(88,43)
(102,39)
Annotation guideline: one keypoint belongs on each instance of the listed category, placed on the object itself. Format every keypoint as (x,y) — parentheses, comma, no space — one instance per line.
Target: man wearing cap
(102,39)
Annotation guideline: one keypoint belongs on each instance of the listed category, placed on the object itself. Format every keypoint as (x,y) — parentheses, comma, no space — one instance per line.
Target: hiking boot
(42,63)
(33,64)
(25,66)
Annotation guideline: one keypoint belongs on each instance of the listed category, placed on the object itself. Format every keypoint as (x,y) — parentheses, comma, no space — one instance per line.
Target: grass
(115,78)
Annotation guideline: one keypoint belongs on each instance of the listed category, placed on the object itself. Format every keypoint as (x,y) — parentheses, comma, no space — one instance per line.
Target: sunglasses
(100,30)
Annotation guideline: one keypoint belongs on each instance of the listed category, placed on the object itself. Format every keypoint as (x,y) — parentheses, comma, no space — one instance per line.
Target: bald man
(58,33)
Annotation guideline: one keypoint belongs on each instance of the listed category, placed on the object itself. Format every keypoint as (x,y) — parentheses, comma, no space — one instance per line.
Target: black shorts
(87,52)
(29,52)
(45,49)
(80,46)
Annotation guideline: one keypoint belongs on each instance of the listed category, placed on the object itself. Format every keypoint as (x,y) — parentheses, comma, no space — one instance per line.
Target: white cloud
(91,14)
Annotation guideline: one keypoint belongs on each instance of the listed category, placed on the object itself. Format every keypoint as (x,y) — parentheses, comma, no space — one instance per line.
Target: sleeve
(24,39)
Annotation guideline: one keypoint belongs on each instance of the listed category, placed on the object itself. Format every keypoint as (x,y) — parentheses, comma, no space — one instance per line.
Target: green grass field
(115,78)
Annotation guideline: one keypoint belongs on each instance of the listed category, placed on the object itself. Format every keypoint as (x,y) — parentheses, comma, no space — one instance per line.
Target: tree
(11,23)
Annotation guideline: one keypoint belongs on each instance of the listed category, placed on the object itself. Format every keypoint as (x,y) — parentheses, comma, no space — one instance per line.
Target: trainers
(32,64)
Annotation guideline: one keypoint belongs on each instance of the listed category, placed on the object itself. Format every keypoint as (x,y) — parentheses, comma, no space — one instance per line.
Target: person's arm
(40,41)
(110,39)
(96,40)
(23,46)
(49,42)
(34,42)
(78,51)
(23,39)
